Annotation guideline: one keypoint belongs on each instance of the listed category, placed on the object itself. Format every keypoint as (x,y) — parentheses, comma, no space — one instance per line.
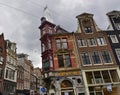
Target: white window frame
(114,38)
(89,59)
(89,40)
(101,41)
(117,51)
(82,43)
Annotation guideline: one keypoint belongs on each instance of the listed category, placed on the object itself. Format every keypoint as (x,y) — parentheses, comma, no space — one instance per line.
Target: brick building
(99,68)
(60,67)
(2,60)
(113,33)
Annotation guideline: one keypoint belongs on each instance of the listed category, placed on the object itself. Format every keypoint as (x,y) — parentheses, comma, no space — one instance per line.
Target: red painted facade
(2,60)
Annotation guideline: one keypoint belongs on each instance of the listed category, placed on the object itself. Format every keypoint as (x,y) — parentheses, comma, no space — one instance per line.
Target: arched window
(66,83)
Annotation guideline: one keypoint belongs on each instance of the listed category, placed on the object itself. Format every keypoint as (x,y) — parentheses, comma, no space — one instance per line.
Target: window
(64,60)
(0,73)
(101,41)
(81,93)
(88,29)
(116,21)
(118,53)
(1,49)
(118,26)
(1,60)
(81,43)
(106,57)
(46,63)
(50,30)
(106,76)
(85,58)
(49,44)
(51,61)
(6,76)
(10,74)
(96,58)
(114,38)
(46,45)
(91,42)
(61,43)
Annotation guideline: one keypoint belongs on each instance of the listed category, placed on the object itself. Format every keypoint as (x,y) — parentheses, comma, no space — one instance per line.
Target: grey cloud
(22,28)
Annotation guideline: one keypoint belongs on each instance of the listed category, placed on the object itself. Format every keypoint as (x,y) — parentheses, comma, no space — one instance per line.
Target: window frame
(117,51)
(82,43)
(64,60)
(84,60)
(114,39)
(105,56)
(88,29)
(96,57)
(60,43)
(101,41)
(91,42)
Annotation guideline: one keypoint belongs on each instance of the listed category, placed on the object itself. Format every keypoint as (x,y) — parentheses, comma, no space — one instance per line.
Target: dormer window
(88,29)
(116,21)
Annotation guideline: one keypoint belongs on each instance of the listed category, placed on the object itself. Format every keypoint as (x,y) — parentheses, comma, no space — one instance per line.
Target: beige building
(10,76)
(29,79)
(37,72)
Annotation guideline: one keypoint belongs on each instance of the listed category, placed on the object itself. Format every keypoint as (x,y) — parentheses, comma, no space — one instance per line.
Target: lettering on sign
(68,73)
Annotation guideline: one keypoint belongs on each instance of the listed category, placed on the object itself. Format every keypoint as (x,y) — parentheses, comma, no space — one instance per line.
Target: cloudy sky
(20,19)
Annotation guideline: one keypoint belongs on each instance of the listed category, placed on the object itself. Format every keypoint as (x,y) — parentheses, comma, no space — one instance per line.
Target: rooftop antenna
(47,14)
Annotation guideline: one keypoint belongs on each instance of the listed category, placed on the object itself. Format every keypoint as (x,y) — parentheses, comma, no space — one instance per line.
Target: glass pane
(89,77)
(106,76)
(67,61)
(58,46)
(85,58)
(114,76)
(0,72)
(96,58)
(91,41)
(57,40)
(81,42)
(99,93)
(64,40)
(98,78)
(88,29)
(64,46)
(60,61)
(106,56)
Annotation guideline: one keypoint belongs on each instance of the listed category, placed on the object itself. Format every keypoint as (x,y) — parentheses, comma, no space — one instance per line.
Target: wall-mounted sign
(68,73)
(43,89)
(109,87)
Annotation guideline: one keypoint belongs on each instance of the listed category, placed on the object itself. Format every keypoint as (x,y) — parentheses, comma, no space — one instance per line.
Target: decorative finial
(47,14)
